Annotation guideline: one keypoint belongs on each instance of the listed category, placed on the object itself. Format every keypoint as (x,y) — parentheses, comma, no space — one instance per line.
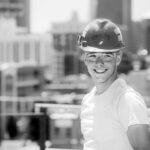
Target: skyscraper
(18,9)
(117,10)
(145,22)
(111,9)
(64,36)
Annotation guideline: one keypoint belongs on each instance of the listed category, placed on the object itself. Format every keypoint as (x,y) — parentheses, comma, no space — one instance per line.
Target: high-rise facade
(111,9)
(18,9)
(67,61)
(145,23)
(118,11)
(26,48)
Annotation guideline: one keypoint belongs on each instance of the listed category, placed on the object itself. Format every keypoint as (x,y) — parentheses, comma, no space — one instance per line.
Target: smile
(100,71)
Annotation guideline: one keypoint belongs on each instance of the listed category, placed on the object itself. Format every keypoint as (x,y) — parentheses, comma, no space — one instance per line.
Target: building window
(57,41)
(16,52)
(1,52)
(26,51)
(8,52)
(67,42)
(37,52)
(36,87)
(63,41)
(148,39)
(36,73)
(9,84)
(70,38)
(69,64)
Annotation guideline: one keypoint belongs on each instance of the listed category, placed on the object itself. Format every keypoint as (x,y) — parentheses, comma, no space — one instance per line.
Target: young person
(113,115)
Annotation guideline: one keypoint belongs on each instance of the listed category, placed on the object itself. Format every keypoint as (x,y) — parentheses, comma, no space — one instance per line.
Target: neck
(101,87)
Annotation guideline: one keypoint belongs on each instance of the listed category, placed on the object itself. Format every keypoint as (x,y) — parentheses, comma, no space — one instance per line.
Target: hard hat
(101,35)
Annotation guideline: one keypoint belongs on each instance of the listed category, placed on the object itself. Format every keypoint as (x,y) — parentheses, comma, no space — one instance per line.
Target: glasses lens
(91,57)
(108,57)
(105,57)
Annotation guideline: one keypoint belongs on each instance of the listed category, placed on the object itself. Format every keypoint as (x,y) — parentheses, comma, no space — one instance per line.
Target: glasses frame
(103,58)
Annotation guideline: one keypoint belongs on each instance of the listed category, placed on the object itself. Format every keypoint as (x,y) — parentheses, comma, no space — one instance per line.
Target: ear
(83,58)
(119,57)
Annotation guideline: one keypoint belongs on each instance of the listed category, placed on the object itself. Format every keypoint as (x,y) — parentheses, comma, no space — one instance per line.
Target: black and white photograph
(74,74)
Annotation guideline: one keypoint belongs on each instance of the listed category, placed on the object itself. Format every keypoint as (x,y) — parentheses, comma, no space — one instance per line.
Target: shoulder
(131,98)
(88,96)
(127,95)
(132,109)
(131,101)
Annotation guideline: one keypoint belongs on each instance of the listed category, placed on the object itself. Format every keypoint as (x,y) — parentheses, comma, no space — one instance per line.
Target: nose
(99,60)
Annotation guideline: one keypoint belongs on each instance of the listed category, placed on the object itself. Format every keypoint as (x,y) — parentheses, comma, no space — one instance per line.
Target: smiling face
(102,66)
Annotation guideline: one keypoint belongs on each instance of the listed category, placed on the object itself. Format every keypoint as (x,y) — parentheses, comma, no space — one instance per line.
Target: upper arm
(139,136)
(132,111)
(133,116)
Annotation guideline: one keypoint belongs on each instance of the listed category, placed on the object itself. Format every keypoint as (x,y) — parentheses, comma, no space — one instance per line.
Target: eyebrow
(90,53)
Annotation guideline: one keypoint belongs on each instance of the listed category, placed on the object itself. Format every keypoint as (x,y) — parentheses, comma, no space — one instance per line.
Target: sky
(140,9)
(45,12)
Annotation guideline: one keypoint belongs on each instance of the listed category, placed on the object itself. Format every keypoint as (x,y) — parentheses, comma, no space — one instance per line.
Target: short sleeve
(132,110)
(85,112)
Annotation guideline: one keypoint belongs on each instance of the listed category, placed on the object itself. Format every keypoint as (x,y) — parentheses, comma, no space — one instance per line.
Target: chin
(100,79)
(103,78)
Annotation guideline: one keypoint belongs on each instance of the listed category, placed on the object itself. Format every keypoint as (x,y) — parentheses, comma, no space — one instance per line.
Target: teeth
(99,71)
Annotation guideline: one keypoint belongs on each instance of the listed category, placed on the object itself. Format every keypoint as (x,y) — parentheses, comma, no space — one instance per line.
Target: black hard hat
(101,35)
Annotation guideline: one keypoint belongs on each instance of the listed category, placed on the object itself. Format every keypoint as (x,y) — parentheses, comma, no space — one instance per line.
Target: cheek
(112,66)
(89,68)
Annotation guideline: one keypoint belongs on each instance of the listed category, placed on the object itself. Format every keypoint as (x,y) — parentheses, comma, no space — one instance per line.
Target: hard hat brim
(98,50)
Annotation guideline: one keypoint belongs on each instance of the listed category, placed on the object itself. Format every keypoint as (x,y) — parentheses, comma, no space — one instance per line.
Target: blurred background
(42,76)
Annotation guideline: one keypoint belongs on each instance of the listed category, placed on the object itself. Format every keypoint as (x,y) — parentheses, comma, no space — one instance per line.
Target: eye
(91,56)
(108,55)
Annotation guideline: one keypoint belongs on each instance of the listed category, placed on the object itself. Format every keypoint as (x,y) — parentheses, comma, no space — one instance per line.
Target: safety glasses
(94,57)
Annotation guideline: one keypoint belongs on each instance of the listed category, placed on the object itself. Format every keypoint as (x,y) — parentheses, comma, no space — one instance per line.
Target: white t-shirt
(105,118)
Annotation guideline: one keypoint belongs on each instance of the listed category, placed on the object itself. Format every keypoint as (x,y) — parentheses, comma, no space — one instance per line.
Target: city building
(108,9)
(21,79)
(9,26)
(22,48)
(67,59)
(20,84)
(145,23)
(18,9)
(19,46)
(141,35)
